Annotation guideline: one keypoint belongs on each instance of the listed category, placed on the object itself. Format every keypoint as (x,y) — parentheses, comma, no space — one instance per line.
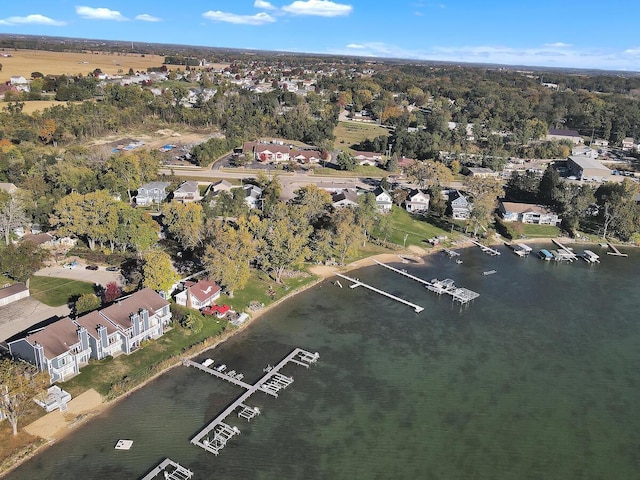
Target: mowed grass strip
(350,133)
(55,291)
(417,228)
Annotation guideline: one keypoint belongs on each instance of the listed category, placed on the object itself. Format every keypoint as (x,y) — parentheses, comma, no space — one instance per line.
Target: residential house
(59,349)
(599,142)
(13,293)
(460,205)
(344,198)
(417,201)
(188,191)
(221,185)
(202,293)
(104,338)
(571,135)
(152,192)
(528,213)
(585,151)
(253,196)
(627,144)
(141,316)
(368,158)
(306,156)
(271,152)
(19,82)
(482,172)
(384,202)
(10,188)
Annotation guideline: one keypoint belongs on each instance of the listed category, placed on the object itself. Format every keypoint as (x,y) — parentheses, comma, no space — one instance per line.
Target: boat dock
(614,251)
(545,254)
(358,283)
(590,257)
(214,436)
(447,286)
(485,249)
(520,249)
(171,471)
(450,253)
(564,253)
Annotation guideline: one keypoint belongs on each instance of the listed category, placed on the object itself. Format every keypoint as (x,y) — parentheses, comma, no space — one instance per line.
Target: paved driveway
(23,314)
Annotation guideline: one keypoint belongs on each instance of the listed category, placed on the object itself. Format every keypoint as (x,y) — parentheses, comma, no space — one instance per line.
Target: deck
(358,283)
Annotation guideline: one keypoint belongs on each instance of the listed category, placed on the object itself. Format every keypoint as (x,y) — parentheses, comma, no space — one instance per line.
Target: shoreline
(58,426)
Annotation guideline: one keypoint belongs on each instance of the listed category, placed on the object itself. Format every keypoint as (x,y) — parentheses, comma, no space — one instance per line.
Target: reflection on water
(537,378)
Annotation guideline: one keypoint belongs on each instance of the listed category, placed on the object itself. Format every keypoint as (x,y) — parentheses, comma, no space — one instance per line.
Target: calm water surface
(537,378)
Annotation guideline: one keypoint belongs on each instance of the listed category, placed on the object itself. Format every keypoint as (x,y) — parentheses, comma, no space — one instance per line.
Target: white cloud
(320,8)
(90,13)
(557,45)
(257,19)
(567,57)
(35,19)
(147,18)
(264,5)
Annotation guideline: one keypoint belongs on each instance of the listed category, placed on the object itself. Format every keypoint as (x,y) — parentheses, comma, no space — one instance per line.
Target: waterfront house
(141,316)
(417,201)
(104,338)
(152,192)
(188,191)
(384,201)
(528,213)
(13,293)
(460,206)
(202,293)
(59,349)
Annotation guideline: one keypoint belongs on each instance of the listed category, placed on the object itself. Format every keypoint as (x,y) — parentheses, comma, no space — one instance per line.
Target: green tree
(345,161)
(86,303)
(285,240)
(346,239)
(618,210)
(485,193)
(122,173)
(21,261)
(185,222)
(314,201)
(12,216)
(157,271)
(20,382)
(227,256)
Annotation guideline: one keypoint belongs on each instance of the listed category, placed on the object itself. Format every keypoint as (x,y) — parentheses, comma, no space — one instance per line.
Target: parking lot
(79,272)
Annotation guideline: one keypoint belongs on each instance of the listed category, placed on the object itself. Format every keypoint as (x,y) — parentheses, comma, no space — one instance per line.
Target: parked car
(91,267)
(71,265)
(112,269)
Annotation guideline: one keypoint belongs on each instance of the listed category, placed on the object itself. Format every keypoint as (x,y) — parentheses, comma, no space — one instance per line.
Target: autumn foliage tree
(20,382)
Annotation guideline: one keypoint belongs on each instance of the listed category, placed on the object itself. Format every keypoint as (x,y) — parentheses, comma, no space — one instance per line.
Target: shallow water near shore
(537,378)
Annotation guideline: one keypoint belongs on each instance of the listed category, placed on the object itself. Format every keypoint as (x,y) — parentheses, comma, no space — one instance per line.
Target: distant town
(162,191)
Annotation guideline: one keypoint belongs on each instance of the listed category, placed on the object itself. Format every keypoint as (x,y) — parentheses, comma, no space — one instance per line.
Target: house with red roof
(202,293)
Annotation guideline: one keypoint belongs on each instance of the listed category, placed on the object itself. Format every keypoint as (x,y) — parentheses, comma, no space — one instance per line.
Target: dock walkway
(214,436)
(485,249)
(171,470)
(565,253)
(615,251)
(358,283)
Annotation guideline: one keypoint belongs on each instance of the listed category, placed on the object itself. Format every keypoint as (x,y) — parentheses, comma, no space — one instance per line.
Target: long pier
(447,286)
(485,249)
(615,251)
(358,283)
(171,470)
(214,436)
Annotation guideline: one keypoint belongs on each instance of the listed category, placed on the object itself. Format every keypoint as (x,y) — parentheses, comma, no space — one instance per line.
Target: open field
(350,133)
(54,291)
(31,106)
(24,62)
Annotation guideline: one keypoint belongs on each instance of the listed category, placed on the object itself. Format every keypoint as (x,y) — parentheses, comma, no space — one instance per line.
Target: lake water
(537,378)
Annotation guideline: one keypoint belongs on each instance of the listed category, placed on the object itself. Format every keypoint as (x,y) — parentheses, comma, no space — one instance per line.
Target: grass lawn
(350,133)
(417,228)
(540,231)
(55,291)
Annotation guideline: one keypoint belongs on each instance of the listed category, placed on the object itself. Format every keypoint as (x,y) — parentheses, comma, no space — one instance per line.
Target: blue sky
(569,33)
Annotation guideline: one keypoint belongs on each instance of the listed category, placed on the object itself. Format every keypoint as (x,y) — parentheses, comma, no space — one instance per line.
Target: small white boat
(123,444)
(489,272)
(207,363)
(221,368)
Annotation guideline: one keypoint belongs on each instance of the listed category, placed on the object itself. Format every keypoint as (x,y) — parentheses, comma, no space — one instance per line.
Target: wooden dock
(358,283)
(485,249)
(214,436)
(171,471)
(615,252)
(565,253)
(447,286)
